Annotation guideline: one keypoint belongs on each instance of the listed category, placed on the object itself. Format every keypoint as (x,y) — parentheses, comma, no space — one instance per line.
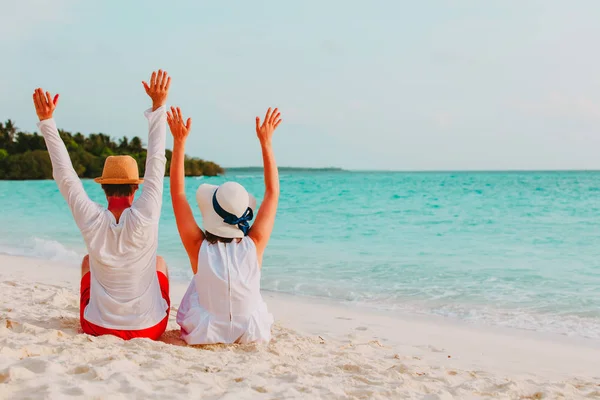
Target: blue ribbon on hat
(232,219)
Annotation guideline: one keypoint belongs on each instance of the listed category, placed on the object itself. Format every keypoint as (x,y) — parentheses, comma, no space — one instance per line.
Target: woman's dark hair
(212,239)
(119,190)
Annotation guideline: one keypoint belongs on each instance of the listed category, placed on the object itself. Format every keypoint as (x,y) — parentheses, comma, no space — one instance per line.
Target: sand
(320,350)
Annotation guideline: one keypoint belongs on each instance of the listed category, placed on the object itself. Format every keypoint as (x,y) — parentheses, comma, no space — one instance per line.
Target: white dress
(223,303)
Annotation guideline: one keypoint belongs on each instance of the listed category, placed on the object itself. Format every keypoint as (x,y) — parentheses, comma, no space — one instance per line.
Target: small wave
(42,248)
(554,323)
(568,325)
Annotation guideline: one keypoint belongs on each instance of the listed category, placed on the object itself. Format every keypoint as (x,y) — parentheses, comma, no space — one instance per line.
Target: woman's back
(228,278)
(223,303)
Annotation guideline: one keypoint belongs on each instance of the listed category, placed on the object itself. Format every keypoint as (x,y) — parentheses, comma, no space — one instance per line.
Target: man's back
(124,291)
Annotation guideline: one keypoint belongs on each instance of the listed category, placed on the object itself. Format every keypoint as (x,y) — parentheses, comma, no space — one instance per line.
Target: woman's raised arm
(189,231)
(261,230)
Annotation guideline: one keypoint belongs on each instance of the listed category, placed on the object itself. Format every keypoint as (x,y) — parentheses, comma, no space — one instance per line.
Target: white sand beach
(320,350)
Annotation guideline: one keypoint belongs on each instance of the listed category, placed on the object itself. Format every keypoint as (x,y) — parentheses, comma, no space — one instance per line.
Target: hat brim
(211,221)
(113,181)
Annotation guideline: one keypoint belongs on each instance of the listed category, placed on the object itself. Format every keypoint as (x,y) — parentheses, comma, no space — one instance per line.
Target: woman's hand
(44,104)
(179,129)
(271,122)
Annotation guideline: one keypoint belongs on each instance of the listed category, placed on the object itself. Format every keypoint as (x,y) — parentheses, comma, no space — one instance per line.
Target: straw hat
(231,198)
(120,170)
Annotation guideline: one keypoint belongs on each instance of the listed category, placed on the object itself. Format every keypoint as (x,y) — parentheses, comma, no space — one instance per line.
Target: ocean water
(511,249)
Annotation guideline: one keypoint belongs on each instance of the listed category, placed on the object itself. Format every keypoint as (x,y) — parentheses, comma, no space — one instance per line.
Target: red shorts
(153,332)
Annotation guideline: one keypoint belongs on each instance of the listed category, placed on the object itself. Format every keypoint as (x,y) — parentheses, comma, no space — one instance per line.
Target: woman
(223,303)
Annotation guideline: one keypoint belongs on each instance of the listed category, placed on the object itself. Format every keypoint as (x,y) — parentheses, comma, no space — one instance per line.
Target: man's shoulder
(137,220)
(94,224)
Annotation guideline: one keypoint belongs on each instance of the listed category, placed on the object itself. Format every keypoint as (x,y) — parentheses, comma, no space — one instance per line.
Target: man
(124,284)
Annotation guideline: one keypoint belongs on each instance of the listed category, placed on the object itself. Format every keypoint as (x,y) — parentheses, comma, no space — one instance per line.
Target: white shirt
(124,291)
(223,303)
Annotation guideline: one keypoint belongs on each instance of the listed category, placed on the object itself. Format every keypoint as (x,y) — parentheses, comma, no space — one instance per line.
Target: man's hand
(44,104)
(179,129)
(158,90)
(271,122)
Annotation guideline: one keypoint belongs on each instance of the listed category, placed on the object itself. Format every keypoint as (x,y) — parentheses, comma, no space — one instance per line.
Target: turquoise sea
(516,249)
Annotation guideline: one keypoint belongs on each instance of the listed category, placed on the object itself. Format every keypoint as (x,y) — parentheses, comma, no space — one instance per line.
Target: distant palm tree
(11,129)
(79,138)
(8,131)
(124,144)
(135,145)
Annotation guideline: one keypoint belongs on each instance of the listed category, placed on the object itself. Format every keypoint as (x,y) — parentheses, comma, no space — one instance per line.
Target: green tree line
(24,155)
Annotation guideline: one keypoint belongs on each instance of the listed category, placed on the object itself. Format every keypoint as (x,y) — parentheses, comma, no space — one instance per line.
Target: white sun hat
(232,202)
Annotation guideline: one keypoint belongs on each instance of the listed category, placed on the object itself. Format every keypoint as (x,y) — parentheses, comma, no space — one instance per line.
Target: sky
(379,85)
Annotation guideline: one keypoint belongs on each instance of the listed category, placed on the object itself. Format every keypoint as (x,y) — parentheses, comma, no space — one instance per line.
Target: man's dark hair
(119,190)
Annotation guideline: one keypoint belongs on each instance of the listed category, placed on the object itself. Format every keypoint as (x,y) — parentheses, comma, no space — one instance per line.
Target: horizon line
(340,169)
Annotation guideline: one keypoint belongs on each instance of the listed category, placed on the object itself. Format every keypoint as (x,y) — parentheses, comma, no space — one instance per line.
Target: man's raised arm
(84,210)
(149,203)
